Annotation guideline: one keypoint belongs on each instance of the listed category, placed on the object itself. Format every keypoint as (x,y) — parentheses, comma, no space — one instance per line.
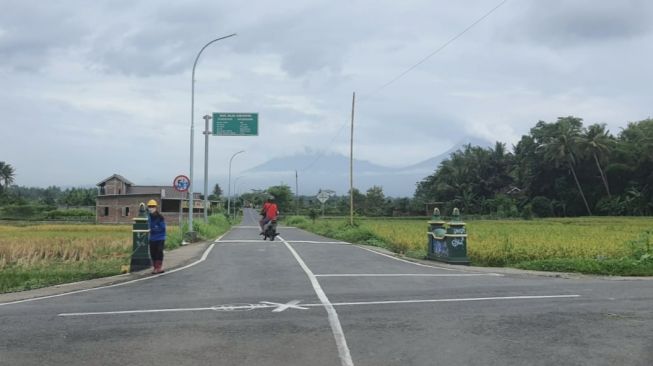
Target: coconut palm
(6,175)
(597,142)
(561,147)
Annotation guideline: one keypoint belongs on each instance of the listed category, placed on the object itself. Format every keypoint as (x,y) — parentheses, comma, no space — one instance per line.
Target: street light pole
(236,195)
(229,183)
(207,118)
(192,132)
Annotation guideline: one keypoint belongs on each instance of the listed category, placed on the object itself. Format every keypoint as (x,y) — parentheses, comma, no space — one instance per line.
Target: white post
(229,183)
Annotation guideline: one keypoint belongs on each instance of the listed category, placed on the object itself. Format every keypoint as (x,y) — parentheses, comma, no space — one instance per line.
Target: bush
(542,207)
(25,212)
(71,213)
(296,220)
(527,212)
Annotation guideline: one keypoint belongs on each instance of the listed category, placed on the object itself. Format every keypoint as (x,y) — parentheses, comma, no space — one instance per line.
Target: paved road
(309,300)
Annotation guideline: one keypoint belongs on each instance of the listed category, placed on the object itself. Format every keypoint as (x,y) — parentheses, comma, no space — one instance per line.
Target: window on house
(106,211)
(125,211)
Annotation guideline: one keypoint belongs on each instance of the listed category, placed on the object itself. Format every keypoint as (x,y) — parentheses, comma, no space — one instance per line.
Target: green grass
(609,267)
(20,278)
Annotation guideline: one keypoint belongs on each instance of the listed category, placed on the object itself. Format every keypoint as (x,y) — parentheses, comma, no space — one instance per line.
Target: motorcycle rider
(270,211)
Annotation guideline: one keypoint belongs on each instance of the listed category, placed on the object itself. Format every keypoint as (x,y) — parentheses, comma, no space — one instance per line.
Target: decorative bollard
(447,244)
(141,235)
(436,235)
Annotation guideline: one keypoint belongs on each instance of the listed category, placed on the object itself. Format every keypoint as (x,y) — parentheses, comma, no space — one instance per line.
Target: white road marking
(409,275)
(452,300)
(317,242)
(282,307)
(278,307)
(415,263)
(167,272)
(336,328)
(258,227)
(236,241)
(290,241)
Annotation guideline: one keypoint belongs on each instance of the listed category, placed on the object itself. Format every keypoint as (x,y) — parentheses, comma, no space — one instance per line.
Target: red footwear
(157,267)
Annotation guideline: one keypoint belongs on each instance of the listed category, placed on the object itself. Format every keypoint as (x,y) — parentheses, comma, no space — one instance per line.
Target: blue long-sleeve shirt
(157,227)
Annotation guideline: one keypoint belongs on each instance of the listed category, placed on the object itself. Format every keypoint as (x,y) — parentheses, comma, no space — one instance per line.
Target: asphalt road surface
(308,300)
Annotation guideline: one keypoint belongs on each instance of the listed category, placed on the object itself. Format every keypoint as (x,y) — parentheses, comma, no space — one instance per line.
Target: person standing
(157,226)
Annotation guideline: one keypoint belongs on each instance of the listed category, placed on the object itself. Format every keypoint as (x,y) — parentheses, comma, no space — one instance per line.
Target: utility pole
(296,195)
(207,118)
(351,163)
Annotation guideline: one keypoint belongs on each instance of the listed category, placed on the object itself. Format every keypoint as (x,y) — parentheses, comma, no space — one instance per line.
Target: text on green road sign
(235,124)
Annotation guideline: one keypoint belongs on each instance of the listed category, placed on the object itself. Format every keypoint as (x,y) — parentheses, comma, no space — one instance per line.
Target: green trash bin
(447,243)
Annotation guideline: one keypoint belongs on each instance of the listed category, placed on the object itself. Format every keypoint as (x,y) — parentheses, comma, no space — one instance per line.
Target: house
(118,201)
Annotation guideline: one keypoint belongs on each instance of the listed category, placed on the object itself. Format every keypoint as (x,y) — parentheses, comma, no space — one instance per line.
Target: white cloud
(96,85)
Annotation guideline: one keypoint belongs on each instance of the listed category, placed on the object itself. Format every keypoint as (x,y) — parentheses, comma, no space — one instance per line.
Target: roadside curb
(173,259)
(502,270)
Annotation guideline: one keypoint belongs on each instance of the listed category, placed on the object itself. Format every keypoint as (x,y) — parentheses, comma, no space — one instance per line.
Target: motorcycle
(271,231)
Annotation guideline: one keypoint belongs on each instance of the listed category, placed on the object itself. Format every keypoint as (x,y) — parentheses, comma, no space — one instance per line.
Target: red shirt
(271,211)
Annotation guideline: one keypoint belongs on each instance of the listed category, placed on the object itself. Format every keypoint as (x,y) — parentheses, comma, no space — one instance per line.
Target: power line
(411,68)
(450,41)
(320,155)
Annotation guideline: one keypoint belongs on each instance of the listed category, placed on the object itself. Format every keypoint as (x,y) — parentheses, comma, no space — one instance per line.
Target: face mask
(152,209)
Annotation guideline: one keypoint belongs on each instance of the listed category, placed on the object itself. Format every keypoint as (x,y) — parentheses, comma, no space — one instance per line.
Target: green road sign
(235,124)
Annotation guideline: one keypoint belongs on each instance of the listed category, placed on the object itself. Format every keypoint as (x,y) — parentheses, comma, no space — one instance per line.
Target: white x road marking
(282,307)
(278,307)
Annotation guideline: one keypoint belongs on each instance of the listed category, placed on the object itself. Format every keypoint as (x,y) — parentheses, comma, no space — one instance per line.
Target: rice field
(31,245)
(500,242)
(33,256)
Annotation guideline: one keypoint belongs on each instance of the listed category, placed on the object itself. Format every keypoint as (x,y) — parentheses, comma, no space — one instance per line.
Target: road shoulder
(506,271)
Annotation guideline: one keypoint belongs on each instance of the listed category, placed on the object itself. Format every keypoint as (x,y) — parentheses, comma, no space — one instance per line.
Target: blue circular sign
(181,183)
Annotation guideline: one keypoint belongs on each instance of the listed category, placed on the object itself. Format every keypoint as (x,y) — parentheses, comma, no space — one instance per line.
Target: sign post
(322,196)
(181,183)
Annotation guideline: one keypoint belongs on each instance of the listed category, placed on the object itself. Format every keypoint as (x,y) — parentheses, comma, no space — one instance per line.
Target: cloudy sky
(89,89)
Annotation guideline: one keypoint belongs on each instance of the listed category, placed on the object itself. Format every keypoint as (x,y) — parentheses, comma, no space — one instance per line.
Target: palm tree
(561,148)
(6,175)
(597,142)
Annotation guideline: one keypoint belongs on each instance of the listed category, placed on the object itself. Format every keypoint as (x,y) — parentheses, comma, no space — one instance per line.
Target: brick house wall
(118,201)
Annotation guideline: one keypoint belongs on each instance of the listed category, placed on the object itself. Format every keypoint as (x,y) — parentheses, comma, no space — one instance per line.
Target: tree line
(560,168)
(50,196)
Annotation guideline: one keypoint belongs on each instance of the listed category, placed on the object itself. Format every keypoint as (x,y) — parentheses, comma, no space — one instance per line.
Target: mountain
(331,171)
(431,164)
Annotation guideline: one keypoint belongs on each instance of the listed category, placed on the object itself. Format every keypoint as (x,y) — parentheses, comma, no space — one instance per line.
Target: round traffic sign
(181,183)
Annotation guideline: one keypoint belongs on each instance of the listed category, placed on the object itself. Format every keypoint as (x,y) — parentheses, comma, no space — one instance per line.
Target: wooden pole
(351,163)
